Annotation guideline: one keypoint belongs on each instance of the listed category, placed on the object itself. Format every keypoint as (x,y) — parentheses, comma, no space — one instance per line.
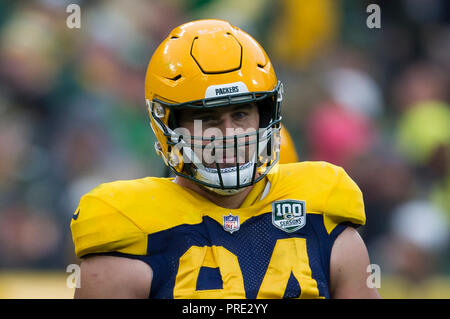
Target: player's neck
(227,201)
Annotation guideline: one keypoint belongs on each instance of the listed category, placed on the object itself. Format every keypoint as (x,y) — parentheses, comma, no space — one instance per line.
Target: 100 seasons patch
(289,215)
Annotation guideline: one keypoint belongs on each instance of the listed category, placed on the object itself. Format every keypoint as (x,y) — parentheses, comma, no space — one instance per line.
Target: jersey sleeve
(98,227)
(344,203)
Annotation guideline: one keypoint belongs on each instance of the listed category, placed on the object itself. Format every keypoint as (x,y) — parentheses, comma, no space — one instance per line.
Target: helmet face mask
(202,157)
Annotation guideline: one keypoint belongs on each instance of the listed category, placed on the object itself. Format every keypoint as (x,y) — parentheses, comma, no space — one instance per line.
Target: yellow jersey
(276,245)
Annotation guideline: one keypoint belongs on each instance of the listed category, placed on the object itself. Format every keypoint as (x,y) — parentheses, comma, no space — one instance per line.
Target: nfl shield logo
(231,223)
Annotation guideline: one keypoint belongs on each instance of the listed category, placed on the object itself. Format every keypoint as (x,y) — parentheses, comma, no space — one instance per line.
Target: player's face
(218,123)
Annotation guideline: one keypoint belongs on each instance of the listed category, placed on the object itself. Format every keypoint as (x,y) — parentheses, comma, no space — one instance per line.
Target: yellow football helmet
(208,64)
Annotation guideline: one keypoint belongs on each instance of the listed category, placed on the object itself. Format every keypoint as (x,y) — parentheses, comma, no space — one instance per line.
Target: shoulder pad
(328,190)
(344,202)
(98,226)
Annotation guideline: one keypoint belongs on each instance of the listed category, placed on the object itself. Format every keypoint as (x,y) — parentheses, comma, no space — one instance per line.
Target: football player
(233,223)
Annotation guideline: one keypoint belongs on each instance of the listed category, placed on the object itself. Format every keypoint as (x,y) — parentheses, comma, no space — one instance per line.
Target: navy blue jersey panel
(209,278)
(319,253)
(293,288)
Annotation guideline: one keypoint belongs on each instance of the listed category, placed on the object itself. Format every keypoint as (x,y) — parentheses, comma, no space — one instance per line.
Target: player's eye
(239,115)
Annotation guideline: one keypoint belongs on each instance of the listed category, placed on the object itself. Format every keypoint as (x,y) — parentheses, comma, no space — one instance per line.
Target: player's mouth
(222,162)
(227,162)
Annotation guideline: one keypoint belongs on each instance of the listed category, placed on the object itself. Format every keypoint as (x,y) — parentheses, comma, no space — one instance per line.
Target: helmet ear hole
(265,109)
(172,121)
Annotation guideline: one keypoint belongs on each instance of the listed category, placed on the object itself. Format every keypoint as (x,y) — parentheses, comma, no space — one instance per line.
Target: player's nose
(227,125)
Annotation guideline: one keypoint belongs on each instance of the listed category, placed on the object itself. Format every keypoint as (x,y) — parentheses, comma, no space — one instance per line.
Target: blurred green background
(374,101)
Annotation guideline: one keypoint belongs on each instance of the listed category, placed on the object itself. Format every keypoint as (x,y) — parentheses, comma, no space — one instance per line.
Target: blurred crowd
(374,101)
